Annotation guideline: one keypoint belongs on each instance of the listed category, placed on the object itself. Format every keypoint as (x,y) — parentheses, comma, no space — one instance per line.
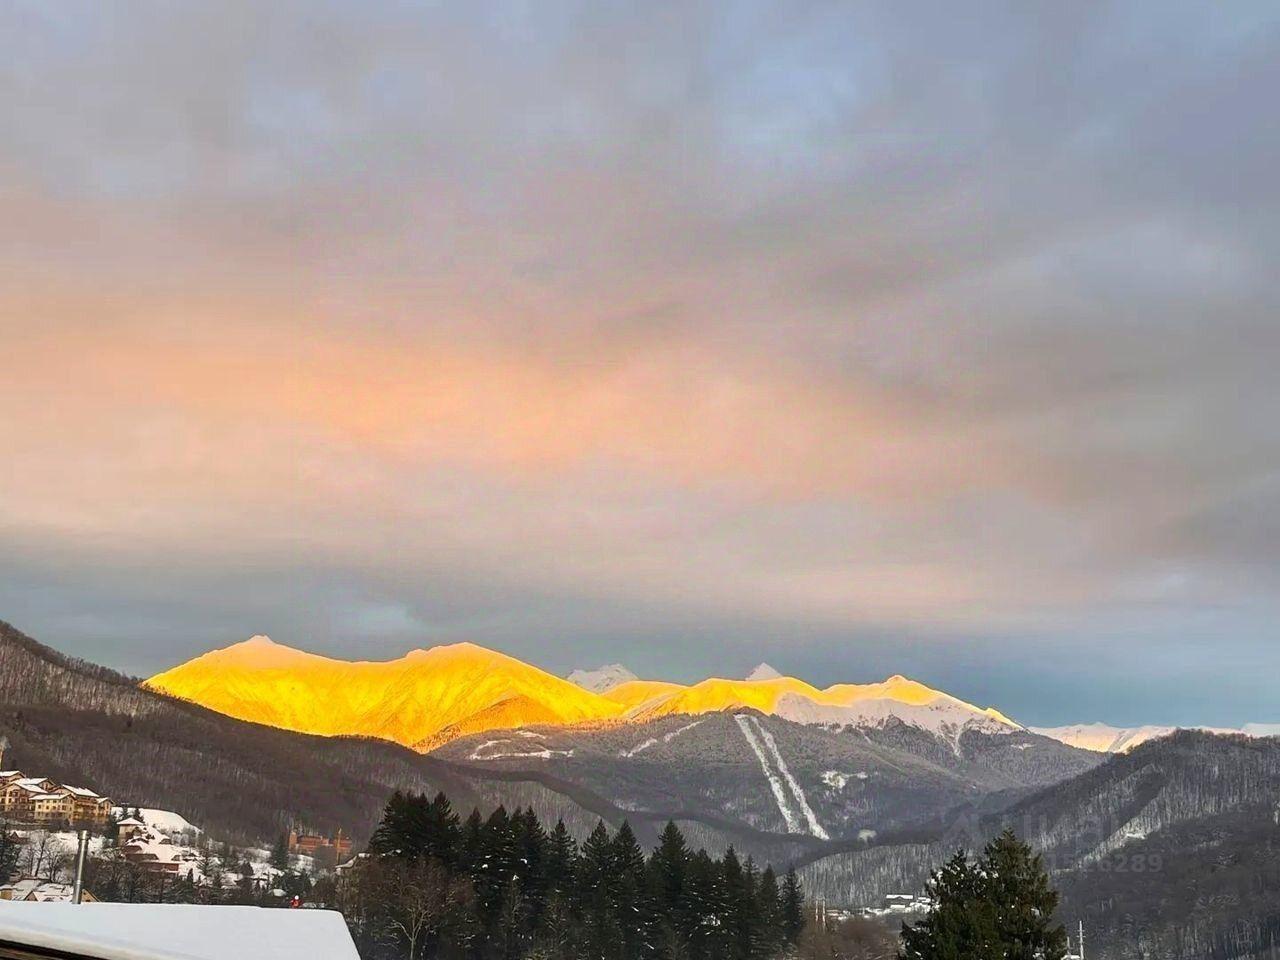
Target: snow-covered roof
(50,796)
(82,792)
(130,822)
(41,891)
(151,931)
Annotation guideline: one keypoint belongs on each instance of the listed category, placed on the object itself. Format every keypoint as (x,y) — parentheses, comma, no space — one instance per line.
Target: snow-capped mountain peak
(1104,738)
(764,672)
(602,679)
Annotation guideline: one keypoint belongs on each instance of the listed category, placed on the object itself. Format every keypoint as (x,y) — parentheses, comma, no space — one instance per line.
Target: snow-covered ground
(838,780)
(166,821)
(497,750)
(145,931)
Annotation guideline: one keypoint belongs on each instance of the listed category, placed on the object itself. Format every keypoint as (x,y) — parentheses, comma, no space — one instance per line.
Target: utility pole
(1080,944)
(77,891)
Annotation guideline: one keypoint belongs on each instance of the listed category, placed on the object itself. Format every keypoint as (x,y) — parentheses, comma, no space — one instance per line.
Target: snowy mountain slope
(1103,738)
(763,672)
(427,697)
(602,679)
(409,700)
(745,770)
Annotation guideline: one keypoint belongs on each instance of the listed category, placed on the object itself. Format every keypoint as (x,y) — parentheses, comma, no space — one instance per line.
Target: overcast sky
(859,338)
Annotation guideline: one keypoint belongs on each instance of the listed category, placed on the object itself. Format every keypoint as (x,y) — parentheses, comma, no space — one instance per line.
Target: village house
(52,807)
(33,889)
(157,853)
(42,800)
(311,844)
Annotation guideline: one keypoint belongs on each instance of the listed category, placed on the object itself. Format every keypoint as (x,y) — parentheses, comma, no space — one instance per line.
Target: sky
(863,339)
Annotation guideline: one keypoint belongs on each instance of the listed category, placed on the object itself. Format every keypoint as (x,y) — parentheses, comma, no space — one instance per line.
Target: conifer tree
(600,926)
(791,906)
(9,848)
(1025,902)
(769,930)
(471,846)
(562,856)
(702,880)
(673,915)
(280,853)
(629,894)
(1000,906)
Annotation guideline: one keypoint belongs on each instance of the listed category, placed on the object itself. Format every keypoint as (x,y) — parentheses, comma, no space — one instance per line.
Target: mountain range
(429,697)
(1167,849)
(1104,738)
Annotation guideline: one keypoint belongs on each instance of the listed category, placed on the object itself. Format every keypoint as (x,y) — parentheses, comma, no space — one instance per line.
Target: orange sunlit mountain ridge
(428,697)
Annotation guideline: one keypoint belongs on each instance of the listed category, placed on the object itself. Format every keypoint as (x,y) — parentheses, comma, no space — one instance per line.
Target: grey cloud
(1039,240)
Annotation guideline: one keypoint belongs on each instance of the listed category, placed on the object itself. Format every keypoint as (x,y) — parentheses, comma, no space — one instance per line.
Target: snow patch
(838,780)
(485,752)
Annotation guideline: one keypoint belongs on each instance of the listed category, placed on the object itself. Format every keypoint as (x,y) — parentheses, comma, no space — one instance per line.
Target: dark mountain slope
(83,723)
(1172,850)
(840,783)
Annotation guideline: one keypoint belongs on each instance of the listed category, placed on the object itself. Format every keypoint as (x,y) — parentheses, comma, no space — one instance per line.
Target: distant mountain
(602,679)
(800,781)
(840,705)
(428,697)
(1103,738)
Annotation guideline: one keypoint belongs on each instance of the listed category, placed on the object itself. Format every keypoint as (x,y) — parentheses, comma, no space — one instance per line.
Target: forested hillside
(79,722)
(507,886)
(1171,850)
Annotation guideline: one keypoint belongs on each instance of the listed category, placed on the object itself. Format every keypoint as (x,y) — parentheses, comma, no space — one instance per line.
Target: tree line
(506,888)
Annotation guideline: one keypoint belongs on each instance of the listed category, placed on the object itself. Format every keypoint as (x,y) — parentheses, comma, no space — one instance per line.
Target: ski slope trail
(654,741)
(802,801)
(775,782)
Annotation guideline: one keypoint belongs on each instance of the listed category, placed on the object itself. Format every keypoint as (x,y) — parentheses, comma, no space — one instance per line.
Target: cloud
(810,322)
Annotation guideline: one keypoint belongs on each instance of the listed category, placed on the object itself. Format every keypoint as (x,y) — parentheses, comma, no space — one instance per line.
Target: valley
(864,797)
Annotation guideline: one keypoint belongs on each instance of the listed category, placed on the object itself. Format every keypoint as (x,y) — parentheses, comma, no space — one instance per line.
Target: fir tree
(1000,906)
(770,935)
(562,856)
(1025,902)
(279,858)
(791,906)
(629,894)
(9,848)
